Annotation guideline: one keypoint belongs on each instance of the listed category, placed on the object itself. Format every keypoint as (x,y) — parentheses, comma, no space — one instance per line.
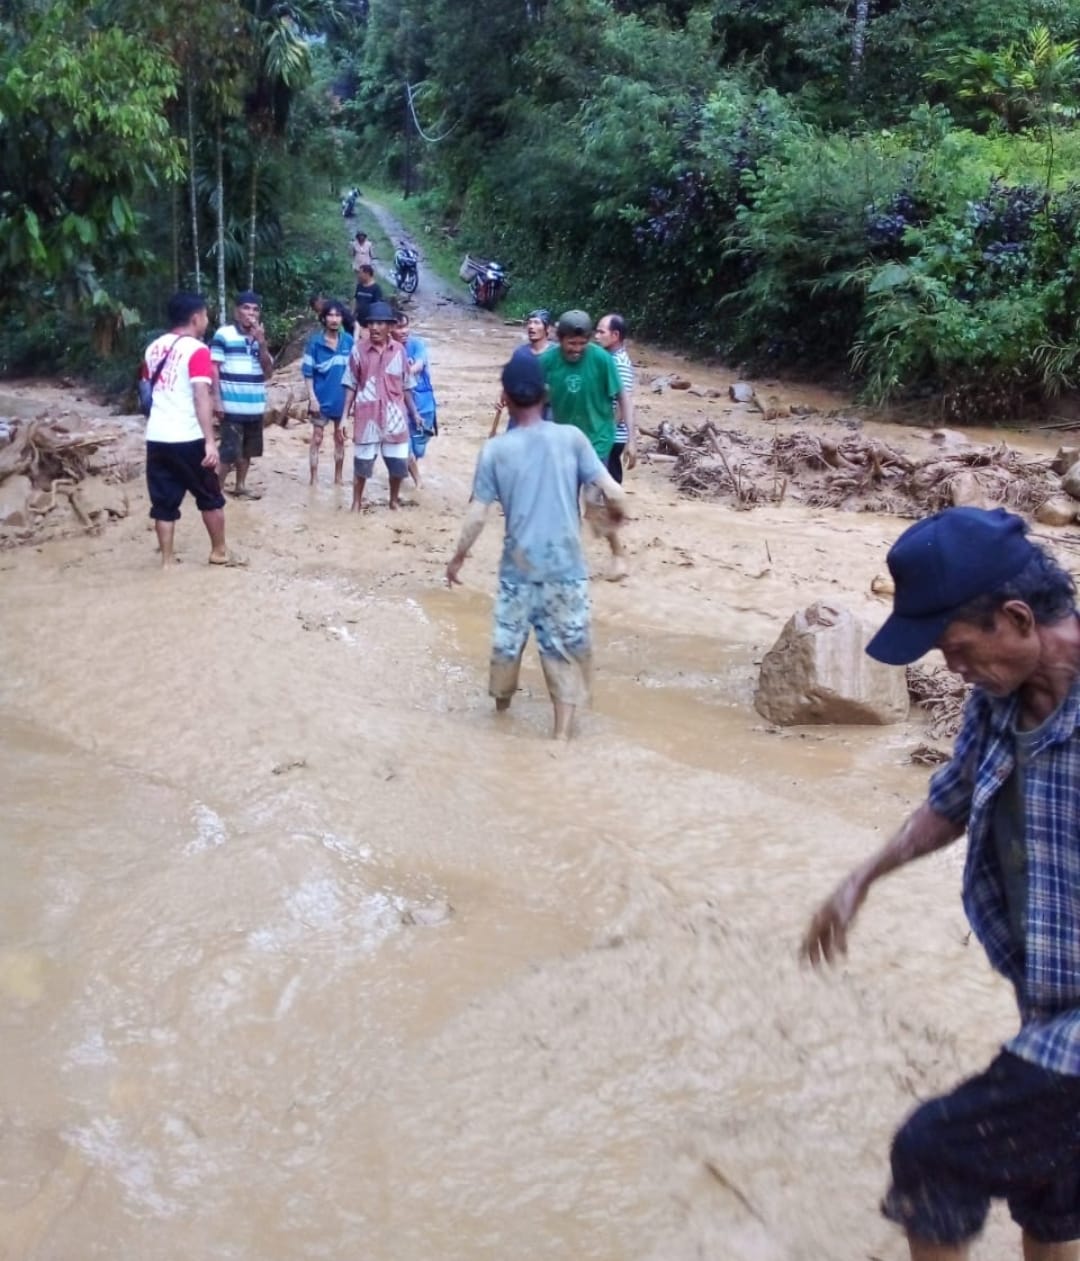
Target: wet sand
(304,955)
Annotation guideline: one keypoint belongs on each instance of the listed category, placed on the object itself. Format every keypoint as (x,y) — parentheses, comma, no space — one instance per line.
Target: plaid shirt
(1045,969)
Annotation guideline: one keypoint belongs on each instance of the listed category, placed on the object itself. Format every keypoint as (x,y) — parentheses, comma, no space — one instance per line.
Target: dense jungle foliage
(884,188)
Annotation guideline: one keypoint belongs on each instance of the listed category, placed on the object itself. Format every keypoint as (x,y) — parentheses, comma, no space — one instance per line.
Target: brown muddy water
(304,955)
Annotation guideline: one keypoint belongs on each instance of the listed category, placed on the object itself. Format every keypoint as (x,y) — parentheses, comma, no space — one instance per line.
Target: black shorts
(240,440)
(174,469)
(614,461)
(1009,1133)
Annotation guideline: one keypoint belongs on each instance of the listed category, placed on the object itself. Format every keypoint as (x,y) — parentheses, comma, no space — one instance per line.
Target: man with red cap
(971,584)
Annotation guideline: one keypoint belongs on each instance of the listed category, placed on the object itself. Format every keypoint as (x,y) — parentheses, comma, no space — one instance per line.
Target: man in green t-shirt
(583,383)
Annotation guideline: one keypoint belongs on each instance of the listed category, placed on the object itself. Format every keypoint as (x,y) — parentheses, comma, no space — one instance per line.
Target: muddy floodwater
(304,955)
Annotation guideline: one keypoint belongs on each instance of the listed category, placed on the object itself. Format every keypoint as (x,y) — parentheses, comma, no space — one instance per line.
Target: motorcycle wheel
(408,282)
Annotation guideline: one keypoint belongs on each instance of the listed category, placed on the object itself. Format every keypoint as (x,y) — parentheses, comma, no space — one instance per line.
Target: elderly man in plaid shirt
(970,583)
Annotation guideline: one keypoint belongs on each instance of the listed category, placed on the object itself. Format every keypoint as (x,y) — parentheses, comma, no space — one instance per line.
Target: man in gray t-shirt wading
(535,471)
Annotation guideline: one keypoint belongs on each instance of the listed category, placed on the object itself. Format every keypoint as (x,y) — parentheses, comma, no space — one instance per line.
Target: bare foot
(619,569)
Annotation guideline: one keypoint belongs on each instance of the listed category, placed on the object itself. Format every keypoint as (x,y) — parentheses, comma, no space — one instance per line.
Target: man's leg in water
(561,620)
(596,514)
(314,450)
(1006,1133)
(396,459)
(363,467)
(214,520)
(510,632)
(166,537)
(339,453)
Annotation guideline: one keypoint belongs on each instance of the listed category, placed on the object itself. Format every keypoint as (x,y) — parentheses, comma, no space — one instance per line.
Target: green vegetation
(890,191)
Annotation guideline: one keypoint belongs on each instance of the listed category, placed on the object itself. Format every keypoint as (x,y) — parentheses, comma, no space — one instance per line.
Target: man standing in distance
(423,418)
(611,334)
(535,472)
(1002,611)
(367,293)
(375,395)
(181,452)
(326,357)
(537,340)
(242,364)
(361,253)
(585,391)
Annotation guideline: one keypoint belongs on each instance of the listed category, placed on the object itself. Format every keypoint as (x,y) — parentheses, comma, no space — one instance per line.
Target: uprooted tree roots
(848,472)
(942,695)
(47,455)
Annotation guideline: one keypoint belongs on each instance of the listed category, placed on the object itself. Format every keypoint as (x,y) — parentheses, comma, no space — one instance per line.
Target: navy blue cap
(522,379)
(246,296)
(938,565)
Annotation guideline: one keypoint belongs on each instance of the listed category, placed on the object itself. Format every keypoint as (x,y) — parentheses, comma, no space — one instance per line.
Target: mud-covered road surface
(303,955)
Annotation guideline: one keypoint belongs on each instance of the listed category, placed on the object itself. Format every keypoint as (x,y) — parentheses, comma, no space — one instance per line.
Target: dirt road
(303,956)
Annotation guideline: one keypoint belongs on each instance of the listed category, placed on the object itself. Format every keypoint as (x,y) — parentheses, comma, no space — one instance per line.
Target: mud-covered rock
(95,501)
(1065,458)
(1070,481)
(967,491)
(14,500)
(818,672)
(1057,510)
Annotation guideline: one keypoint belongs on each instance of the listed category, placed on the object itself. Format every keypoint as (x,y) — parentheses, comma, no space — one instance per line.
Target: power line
(416,121)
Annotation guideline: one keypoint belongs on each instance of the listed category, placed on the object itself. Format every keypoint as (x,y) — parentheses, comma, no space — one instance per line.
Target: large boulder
(1066,457)
(1057,510)
(818,672)
(1070,481)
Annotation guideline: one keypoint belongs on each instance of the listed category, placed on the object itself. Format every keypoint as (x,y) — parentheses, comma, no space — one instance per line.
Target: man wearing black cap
(1002,611)
(242,364)
(535,471)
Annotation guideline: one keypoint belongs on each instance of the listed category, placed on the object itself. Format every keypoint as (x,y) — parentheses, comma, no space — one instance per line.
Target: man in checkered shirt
(970,583)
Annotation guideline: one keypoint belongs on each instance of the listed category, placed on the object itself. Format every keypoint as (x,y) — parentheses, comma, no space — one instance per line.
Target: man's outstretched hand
(452,571)
(826,938)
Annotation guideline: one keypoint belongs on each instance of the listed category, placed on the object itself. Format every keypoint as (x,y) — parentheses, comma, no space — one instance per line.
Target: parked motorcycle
(406,273)
(489,285)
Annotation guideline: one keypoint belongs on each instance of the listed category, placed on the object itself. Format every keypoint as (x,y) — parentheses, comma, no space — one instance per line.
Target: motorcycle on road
(406,272)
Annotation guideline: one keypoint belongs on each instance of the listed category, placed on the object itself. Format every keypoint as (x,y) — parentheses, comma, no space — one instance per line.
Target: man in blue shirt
(326,356)
(535,472)
(1002,611)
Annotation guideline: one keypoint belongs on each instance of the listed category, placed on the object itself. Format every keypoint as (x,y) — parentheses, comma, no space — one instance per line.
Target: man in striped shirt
(1002,611)
(611,334)
(242,364)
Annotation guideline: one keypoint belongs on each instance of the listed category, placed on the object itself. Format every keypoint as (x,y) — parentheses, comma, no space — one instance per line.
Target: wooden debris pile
(850,472)
(942,695)
(52,476)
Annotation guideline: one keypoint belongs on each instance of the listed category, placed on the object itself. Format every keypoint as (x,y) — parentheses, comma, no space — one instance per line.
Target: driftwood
(45,454)
(852,472)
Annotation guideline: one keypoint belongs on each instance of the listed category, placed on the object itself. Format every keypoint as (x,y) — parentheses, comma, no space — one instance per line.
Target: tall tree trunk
(174,217)
(858,38)
(256,156)
(197,269)
(219,207)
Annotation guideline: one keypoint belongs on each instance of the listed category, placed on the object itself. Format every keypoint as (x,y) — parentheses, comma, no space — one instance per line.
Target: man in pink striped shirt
(375,392)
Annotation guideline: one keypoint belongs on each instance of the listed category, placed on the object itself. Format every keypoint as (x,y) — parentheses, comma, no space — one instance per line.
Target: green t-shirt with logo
(581,393)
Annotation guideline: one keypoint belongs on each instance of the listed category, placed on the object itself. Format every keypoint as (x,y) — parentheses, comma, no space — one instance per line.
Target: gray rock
(741,392)
(818,672)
